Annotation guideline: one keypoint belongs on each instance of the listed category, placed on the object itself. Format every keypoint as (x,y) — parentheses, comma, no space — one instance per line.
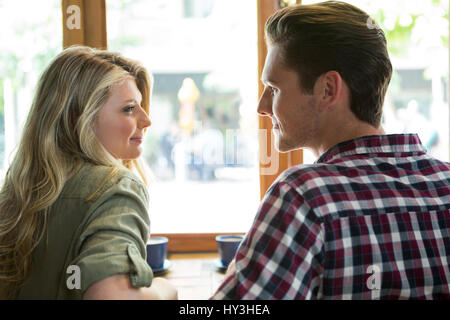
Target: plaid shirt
(369,220)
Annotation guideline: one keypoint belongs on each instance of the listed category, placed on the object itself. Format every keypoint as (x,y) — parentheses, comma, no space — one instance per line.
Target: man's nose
(265,104)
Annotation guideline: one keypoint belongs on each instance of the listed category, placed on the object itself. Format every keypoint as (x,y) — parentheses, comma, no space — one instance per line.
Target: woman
(73,206)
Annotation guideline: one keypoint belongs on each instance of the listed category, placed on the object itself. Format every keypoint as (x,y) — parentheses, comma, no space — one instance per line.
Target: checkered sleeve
(281,256)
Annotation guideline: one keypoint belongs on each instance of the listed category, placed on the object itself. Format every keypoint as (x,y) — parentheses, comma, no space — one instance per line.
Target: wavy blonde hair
(58,137)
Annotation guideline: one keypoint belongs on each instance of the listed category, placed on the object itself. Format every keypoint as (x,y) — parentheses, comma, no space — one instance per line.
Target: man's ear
(329,89)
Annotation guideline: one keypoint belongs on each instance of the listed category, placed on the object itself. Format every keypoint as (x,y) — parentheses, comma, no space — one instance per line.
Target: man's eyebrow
(268,81)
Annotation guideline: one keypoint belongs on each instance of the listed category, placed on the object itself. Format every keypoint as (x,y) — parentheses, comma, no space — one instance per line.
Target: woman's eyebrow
(131,101)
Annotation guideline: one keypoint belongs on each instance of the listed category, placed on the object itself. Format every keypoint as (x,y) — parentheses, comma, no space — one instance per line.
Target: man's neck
(334,136)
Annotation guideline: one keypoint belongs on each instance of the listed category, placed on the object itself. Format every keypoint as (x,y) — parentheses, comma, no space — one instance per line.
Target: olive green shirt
(98,227)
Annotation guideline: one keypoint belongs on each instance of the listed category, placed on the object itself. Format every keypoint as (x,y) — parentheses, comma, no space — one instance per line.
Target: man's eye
(272,90)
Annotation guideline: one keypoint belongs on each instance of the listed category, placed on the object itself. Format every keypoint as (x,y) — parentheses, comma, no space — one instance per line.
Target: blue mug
(156,252)
(228,245)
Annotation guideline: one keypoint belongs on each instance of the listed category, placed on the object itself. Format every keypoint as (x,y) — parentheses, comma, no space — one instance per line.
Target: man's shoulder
(363,168)
(314,182)
(300,175)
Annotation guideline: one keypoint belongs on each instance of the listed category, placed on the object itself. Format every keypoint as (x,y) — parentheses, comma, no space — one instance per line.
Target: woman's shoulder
(92,181)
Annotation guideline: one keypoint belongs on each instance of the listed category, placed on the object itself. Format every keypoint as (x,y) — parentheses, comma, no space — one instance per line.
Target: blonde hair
(58,137)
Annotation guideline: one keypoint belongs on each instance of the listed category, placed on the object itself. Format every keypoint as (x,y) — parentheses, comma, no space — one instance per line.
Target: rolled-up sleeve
(113,239)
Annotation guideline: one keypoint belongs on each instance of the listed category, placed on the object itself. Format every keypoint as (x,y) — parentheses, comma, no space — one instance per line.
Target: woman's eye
(128,109)
(272,90)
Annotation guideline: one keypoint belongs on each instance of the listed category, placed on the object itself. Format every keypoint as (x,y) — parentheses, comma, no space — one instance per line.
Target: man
(371,218)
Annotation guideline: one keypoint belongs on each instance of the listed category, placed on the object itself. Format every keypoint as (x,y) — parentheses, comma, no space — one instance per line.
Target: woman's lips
(137,140)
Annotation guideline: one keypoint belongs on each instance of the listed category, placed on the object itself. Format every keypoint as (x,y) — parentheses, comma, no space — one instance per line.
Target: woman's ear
(329,89)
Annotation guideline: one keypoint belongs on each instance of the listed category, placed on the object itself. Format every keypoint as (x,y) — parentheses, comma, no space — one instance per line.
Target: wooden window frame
(206,242)
(93,33)
(92,29)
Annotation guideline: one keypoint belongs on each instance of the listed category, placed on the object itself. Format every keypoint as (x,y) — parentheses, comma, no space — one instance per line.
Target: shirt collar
(393,143)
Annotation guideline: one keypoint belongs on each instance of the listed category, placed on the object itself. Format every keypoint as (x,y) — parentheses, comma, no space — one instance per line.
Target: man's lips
(274,124)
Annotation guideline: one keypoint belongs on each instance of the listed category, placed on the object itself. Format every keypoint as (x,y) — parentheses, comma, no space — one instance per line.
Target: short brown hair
(335,36)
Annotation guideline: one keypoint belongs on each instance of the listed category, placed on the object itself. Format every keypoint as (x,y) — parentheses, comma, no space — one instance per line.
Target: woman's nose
(144,120)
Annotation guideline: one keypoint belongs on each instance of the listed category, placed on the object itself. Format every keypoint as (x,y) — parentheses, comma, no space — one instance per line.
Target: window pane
(417,99)
(31,35)
(202,146)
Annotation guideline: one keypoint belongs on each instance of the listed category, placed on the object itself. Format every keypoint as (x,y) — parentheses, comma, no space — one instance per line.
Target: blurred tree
(31,36)
(124,8)
(30,40)
(413,24)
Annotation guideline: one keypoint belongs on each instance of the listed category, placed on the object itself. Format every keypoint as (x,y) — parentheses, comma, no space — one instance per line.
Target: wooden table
(194,274)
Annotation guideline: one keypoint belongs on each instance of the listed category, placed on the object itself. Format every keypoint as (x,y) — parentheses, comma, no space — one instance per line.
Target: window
(197,8)
(417,98)
(31,36)
(202,146)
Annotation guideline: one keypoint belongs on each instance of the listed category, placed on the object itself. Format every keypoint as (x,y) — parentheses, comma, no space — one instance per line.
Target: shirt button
(133,250)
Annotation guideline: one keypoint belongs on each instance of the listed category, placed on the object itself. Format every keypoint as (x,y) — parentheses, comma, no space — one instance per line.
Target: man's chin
(280,150)
(283,147)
